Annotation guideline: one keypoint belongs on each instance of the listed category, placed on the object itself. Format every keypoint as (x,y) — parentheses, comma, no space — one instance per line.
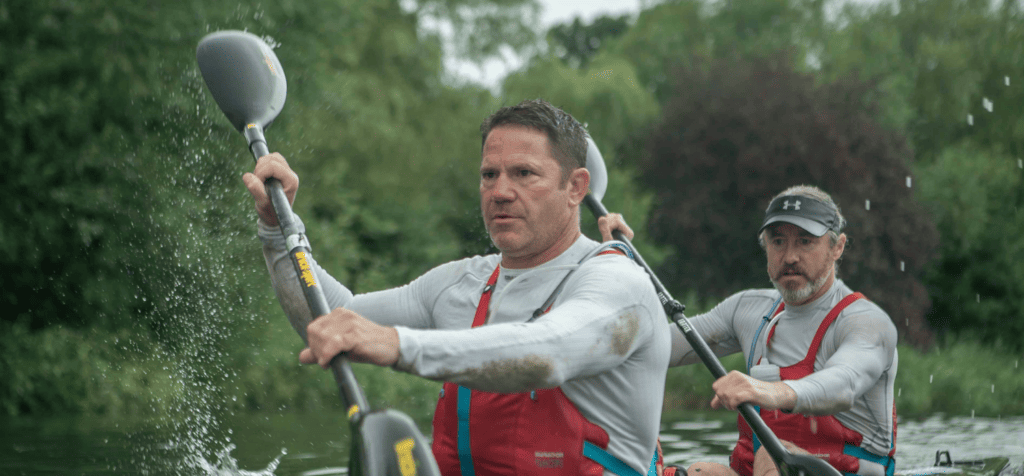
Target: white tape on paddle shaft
(295,241)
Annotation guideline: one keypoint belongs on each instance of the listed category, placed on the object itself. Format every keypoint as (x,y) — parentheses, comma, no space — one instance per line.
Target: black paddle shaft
(674,309)
(248,83)
(299,250)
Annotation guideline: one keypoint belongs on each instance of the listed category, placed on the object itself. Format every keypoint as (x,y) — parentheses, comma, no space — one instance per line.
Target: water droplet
(1020,163)
(970,120)
(1006,80)
(977,297)
(903,266)
(972,413)
(931,378)
(899,392)
(986,104)
(993,388)
(867,204)
(908,181)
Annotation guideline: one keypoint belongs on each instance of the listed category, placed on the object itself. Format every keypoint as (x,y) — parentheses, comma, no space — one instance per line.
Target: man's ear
(579,185)
(837,252)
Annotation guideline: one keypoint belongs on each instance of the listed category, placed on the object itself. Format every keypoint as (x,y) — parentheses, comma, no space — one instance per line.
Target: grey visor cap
(812,227)
(807,213)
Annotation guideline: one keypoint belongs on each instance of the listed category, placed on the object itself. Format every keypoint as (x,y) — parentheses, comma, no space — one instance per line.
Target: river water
(291,444)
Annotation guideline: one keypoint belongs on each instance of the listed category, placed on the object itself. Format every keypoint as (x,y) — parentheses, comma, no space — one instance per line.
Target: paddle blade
(244,77)
(389,443)
(805,465)
(598,172)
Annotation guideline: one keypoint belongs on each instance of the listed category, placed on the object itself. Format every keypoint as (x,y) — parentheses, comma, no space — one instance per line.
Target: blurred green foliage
(951,81)
(133,281)
(959,377)
(717,158)
(88,371)
(125,209)
(975,195)
(576,43)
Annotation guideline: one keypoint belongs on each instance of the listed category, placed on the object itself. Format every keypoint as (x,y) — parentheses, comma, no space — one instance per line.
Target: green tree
(576,43)
(738,132)
(103,232)
(672,33)
(950,71)
(125,208)
(978,283)
(946,66)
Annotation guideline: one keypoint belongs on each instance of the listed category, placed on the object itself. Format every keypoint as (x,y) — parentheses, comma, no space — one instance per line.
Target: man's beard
(799,295)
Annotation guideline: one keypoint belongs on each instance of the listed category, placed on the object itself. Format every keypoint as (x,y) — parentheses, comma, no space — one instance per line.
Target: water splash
(226,465)
(196,300)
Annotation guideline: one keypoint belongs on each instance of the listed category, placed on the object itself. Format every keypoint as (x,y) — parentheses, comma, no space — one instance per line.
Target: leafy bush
(978,283)
(62,370)
(736,133)
(960,377)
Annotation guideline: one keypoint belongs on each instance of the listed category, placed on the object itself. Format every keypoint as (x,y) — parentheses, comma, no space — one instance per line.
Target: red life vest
(823,436)
(538,432)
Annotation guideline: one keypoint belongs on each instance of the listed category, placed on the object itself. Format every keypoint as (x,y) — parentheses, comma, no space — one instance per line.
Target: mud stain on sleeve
(506,375)
(624,331)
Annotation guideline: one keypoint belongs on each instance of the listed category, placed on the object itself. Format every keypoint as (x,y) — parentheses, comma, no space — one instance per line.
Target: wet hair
(813,193)
(567,137)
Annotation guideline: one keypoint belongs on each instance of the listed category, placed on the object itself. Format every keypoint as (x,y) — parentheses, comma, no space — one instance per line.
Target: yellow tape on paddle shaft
(406,463)
(306,274)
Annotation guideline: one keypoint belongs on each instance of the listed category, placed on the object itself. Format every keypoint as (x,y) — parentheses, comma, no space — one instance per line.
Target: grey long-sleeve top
(603,342)
(854,370)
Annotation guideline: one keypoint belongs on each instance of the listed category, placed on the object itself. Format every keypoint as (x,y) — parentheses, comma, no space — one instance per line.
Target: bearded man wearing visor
(821,359)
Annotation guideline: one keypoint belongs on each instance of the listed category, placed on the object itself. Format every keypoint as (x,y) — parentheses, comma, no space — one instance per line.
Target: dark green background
(133,283)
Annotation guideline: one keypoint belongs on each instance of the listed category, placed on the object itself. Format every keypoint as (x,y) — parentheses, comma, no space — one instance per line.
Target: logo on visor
(786,205)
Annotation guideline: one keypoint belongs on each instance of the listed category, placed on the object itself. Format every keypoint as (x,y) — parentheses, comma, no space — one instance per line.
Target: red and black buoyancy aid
(822,436)
(528,433)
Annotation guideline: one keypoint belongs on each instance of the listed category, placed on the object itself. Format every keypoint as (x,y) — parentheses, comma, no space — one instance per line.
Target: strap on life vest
(807,366)
(485,299)
(820,335)
(887,462)
(613,464)
(464,394)
(611,247)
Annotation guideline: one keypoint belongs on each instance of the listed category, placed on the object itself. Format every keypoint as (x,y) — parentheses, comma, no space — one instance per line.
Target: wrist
(777,396)
(785,397)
